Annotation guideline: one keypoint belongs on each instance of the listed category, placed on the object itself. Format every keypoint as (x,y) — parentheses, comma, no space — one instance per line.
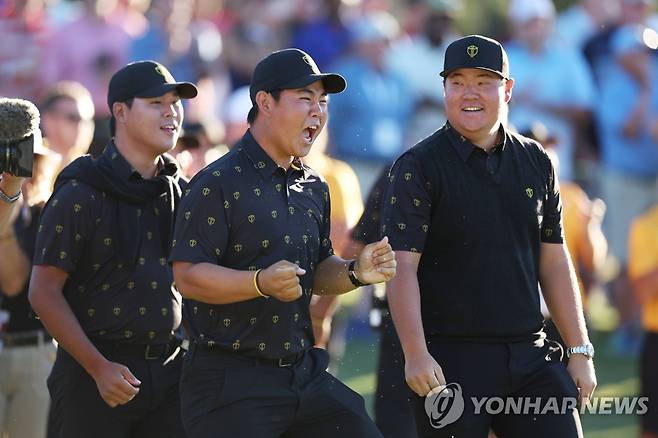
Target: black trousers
(78,411)
(394,413)
(649,381)
(224,394)
(513,372)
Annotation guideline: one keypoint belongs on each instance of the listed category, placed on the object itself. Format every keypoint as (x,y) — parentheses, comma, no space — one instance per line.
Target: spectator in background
(424,51)
(27,352)
(320,31)
(260,30)
(582,20)
(24,30)
(643,273)
(236,110)
(195,149)
(552,84)
(627,113)
(88,50)
(67,119)
(369,119)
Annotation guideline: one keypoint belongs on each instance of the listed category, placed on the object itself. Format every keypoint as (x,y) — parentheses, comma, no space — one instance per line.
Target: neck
(263,136)
(487,141)
(145,164)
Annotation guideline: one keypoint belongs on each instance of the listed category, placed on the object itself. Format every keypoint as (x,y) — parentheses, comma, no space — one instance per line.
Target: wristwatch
(352,275)
(586,350)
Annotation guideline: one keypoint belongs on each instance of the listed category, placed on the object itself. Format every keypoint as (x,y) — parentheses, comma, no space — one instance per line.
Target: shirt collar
(122,168)
(465,147)
(261,161)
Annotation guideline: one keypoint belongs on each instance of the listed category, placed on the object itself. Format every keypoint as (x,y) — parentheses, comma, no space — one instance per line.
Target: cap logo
(307,59)
(472,50)
(164,73)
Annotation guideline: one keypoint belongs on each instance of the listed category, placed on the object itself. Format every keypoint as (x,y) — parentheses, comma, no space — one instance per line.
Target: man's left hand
(582,372)
(376,263)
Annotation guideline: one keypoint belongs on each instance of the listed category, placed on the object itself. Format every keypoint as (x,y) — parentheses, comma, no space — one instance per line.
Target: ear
(119,110)
(508,89)
(264,102)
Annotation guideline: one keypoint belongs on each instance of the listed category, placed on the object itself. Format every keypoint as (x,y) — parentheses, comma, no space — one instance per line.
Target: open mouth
(310,133)
(472,109)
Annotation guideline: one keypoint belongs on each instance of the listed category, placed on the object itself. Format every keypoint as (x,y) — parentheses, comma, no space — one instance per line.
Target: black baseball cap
(145,79)
(288,69)
(476,51)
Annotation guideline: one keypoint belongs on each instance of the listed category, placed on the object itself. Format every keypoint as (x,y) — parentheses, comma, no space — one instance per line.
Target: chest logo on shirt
(472,51)
(257,191)
(299,181)
(251,218)
(529,192)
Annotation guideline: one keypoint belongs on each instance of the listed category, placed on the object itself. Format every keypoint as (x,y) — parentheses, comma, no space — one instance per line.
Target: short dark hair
(113,121)
(251,117)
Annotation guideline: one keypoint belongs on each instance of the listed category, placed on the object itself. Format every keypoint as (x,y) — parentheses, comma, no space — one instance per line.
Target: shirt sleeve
(406,206)
(368,229)
(202,225)
(67,224)
(551,228)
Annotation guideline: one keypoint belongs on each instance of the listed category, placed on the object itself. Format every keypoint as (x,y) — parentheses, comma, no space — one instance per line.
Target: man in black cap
(474,215)
(251,246)
(101,283)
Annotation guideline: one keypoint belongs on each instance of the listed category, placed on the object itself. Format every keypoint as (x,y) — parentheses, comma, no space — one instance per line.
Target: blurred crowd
(584,75)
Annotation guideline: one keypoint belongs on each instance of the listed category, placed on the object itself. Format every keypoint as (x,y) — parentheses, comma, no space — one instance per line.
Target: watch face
(590,350)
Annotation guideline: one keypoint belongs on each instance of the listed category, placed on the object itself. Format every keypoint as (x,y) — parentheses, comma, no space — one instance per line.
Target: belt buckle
(283,364)
(147,353)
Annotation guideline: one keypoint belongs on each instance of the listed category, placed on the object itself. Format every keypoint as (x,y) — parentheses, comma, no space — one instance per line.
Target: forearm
(403,294)
(15,266)
(56,315)
(560,288)
(646,286)
(9,186)
(214,284)
(330,277)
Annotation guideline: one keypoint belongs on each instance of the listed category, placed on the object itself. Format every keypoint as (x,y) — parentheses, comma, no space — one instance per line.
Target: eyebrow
(310,91)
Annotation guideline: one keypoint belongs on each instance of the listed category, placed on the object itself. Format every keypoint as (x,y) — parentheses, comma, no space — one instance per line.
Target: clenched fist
(281,281)
(376,263)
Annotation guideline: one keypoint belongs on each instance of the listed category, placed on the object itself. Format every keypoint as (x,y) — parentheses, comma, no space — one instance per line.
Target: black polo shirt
(368,229)
(112,300)
(478,219)
(21,318)
(245,212)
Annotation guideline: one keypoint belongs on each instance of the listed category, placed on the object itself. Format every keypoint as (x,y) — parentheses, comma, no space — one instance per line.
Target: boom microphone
(19,130)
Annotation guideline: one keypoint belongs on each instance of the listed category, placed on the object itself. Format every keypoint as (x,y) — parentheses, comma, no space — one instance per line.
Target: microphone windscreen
(18,119)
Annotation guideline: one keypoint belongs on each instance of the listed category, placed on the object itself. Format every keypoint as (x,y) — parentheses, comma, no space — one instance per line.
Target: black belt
(281,362)
(143,351)
(25,339)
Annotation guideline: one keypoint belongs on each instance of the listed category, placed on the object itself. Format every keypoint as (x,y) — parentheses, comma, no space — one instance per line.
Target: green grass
(617,376)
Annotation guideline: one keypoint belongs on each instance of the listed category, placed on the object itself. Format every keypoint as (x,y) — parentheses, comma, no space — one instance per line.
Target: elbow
(182,279)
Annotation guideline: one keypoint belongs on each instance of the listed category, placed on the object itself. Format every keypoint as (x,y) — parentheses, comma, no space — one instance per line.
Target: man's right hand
(115,383)
(281,281)
(423,373)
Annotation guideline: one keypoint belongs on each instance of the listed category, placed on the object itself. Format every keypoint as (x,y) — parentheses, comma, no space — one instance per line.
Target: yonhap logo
(444,405)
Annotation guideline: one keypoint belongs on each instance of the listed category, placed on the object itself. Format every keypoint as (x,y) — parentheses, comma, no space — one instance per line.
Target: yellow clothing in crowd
(643,259)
